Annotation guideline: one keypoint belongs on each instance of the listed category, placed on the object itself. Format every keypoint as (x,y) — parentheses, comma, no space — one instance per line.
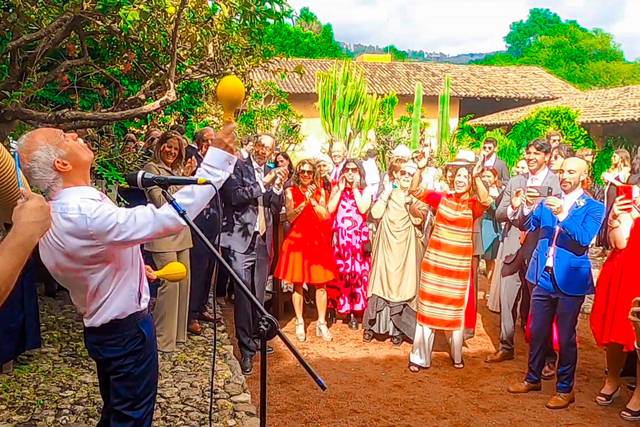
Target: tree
(87,63)
(306,38)
(586,58)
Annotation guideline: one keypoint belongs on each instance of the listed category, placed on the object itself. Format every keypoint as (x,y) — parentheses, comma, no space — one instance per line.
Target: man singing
(93,250)
(561,271)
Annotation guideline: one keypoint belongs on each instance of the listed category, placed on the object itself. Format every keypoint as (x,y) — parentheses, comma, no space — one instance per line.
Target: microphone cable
(215,303)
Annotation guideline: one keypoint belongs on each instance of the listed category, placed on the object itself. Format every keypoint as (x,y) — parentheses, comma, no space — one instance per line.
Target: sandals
(396,340)
(300,332)
(630,415)
(604,399)
(367,336)
(323,331)
(458,365)
(415,368)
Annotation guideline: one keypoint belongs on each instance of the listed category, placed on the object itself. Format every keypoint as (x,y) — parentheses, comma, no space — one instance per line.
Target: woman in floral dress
(349,203)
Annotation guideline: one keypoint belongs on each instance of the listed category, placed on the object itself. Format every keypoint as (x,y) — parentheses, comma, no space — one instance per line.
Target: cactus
(444,149)
(346,110)
(416,118)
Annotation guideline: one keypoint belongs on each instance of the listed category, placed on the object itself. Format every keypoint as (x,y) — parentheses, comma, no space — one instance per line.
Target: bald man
(93,250)
(560,270)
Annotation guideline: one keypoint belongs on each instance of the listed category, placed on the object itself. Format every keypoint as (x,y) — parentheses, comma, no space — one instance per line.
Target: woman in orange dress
(446,296)
(306,255)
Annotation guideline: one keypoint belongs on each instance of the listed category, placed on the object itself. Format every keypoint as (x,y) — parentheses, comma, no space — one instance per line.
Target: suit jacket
(503,170)
(240,195)
(176,242)
(516,259)
(571,264)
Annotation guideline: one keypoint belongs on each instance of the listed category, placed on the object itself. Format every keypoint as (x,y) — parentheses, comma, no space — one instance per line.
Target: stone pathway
(57,384)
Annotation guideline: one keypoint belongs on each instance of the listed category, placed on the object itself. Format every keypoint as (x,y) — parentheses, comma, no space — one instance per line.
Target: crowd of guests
(398,252)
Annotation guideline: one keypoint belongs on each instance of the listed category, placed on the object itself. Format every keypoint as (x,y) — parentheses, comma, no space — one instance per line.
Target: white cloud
(463,26)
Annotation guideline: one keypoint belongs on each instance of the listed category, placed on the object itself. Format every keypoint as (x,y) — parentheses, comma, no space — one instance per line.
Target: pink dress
(351,233)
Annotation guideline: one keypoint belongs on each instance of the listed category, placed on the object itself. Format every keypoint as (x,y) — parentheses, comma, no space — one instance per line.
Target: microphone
(142,179)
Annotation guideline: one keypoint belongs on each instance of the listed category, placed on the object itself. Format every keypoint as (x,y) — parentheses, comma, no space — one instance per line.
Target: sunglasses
(405,173)
(305,172)
(350,169)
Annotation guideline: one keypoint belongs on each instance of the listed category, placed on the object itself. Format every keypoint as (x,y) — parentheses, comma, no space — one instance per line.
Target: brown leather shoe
(194,327)
(549,371)
(561,400)
(205,316)
(524,387)
(499,356)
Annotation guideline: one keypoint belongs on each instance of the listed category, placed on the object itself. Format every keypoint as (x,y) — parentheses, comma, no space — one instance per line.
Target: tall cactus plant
(416,118)
(347,112)
(444,150)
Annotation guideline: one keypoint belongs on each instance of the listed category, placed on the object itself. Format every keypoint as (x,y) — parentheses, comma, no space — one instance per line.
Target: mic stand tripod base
(267,330)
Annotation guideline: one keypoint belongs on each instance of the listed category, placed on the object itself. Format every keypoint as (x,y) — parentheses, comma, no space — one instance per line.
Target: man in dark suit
(561,271)
(516,250)
(491,159)
(202,262)
(251,198)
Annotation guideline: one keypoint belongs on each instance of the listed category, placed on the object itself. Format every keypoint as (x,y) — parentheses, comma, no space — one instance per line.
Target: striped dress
(446,288)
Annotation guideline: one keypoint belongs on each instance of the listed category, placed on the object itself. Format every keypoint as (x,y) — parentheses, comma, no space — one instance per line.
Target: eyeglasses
(305,172)
(405,173)
(350,169)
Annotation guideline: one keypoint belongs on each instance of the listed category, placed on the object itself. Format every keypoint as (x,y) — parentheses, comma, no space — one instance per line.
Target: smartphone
(543,190)
(629,192)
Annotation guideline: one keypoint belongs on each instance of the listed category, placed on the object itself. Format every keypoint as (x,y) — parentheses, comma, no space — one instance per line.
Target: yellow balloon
(172,272)
(230,93)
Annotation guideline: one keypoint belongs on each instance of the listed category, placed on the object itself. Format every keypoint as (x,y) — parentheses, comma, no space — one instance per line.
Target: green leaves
(583,57)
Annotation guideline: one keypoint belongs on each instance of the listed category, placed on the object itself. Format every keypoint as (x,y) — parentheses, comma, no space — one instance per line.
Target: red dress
(306,255)
(617,286)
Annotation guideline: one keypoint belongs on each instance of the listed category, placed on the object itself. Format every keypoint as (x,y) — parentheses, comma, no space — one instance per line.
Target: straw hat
(463,158)
(9,191)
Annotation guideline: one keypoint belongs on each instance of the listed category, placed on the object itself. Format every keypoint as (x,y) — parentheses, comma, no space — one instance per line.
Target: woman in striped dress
(446,296)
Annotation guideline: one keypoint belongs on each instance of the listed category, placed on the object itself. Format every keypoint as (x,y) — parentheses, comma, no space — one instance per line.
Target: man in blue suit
(561,271)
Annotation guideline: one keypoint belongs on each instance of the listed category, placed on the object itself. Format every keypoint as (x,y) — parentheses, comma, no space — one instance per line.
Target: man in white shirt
(372,172)
(489,147)
(516,249)
(338,154)
(93,250)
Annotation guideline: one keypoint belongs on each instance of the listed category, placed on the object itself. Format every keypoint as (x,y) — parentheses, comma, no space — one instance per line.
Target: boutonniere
(580,203)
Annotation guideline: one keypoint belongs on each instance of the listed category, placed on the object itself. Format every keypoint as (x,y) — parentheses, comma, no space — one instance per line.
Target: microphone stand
(268,327)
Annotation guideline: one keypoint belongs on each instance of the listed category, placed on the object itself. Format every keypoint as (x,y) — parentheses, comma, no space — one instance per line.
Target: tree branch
(47,31)
(51,75)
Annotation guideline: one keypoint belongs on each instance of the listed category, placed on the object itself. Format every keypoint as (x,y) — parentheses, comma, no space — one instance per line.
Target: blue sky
(464,26)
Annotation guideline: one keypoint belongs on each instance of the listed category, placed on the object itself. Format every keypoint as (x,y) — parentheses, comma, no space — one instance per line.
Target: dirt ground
(369,383)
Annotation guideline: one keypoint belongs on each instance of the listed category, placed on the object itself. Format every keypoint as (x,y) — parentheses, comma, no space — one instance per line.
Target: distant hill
(357,49)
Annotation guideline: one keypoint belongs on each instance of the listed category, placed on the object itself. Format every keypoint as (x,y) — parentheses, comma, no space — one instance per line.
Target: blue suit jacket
(571,264)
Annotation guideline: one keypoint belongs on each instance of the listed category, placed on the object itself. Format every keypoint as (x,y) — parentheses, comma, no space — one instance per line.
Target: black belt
(118,325)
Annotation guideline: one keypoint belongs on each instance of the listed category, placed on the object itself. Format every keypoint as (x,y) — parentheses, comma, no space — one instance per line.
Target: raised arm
(154,194)
(133,226)
(363,199)
(621,222)
(334,199)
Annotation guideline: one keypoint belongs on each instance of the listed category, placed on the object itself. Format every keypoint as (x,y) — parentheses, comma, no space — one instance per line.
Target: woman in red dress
(617,286)
(306,255)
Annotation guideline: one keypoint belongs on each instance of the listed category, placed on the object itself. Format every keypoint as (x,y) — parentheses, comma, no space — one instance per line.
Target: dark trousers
(125,352)
(545,306)
(203,264)
(253,268)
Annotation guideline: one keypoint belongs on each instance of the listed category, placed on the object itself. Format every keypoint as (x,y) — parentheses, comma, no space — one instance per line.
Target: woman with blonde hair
(306,255)
(171,309)
(620,172)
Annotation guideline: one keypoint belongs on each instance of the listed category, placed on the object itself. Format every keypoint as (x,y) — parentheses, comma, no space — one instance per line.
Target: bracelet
(615,223)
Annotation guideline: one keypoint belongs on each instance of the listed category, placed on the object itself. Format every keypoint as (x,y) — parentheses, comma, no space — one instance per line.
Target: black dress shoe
(270,349)
(246,364)
(331,317)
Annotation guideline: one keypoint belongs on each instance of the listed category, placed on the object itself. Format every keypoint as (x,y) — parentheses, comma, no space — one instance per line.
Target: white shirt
(490,161)
(372,175)
(532,180)
(259,173)
(568,200)
(93,246)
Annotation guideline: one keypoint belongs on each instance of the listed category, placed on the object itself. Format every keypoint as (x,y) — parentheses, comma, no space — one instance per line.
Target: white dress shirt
(372,174)
(93,246)
(490,161)
(568,200)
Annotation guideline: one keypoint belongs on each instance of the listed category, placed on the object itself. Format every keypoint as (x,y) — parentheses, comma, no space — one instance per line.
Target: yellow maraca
(230,93)
(172,272)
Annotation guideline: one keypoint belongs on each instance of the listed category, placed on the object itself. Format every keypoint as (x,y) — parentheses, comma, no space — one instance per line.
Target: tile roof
(617,105)
(297,76)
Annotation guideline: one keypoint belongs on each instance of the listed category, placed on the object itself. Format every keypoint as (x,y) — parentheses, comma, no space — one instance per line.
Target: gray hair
(39,169)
